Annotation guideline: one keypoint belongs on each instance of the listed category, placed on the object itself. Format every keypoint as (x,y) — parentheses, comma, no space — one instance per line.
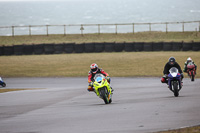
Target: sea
(75,16)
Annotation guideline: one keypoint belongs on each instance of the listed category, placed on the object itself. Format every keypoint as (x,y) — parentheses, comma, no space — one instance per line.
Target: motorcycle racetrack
(63,105)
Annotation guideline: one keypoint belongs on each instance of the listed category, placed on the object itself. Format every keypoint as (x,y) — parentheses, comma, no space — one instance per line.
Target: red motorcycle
(191,70)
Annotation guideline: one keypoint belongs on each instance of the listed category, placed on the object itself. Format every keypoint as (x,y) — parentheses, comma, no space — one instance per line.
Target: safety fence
(98,47)
(99,28)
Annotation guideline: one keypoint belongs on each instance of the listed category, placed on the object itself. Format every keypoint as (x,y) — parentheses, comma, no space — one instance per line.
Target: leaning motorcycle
(174,81)
(102,88)
(191,70)
(2,83)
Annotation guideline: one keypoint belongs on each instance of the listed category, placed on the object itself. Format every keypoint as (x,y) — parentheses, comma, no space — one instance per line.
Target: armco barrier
(89,47)
(157,46)
(79,48)
(58,48)
(139,46)
(1,50)
(18,49)
(69,47)
(177,46)
(49,48)
(148,46)
(187,46)
(128,46)
(99,47)
(109,46)
(8,50)
(38,49)
(28,49)
(167,46)
(119,47)
(196,46)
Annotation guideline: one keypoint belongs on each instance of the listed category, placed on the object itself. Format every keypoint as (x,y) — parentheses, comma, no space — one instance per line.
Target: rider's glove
(182,75)
(107,78)
(165,76)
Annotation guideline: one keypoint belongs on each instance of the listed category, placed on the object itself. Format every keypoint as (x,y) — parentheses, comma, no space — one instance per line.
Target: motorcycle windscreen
(173,71)
(99,79)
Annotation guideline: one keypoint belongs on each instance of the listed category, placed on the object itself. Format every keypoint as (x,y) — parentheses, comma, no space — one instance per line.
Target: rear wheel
(175,88)
(110,101)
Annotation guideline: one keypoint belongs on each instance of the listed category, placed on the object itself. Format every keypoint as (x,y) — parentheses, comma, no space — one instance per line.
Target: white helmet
(189,59)
(94,68)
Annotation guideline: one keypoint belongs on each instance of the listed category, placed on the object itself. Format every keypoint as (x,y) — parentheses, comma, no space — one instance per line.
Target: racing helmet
(189,60)
(94,68)
(172,61)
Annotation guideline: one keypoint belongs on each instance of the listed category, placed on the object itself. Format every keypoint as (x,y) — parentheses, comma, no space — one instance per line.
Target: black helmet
(172,61)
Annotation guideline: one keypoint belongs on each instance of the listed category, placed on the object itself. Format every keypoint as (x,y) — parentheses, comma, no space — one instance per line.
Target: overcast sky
(37,0)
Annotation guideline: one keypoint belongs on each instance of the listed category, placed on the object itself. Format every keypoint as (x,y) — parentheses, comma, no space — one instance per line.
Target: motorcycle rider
(171,63)
(94,70)
(187,62)
(2,83)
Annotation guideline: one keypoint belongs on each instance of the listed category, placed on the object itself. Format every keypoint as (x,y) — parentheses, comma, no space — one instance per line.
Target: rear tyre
(175,86)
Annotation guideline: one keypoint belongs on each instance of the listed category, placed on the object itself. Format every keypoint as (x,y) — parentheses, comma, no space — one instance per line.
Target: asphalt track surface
(63,105)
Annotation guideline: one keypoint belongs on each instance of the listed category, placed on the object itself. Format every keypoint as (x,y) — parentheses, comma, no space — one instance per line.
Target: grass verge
(123,64)
(195,129)
(8,90)
(121,37)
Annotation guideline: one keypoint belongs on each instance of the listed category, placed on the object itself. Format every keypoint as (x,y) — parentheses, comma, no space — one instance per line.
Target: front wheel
(103,95)
(175,88)
(192,76)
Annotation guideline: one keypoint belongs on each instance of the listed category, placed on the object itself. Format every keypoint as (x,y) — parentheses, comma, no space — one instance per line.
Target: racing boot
(90,88)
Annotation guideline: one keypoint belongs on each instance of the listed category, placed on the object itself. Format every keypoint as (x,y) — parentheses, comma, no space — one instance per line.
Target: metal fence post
(64,30)
(82,30)
(199,26)
(150,27)
(98,28)
(133,28)
(166,28)
(29,30)
(47,30)
(115,28)
(183,26)
(13,31)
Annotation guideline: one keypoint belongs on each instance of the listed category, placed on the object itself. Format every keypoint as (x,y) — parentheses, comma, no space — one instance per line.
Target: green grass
(123,64)
(125,37)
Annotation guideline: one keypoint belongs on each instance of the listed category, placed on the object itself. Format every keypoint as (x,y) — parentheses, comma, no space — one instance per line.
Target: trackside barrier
(148,46)
(109,46)
(58,48)
(139,46)
(69,48)
(38,49)
(28,49)
(89,47)
(118,47)
(128,46)
(99,47)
